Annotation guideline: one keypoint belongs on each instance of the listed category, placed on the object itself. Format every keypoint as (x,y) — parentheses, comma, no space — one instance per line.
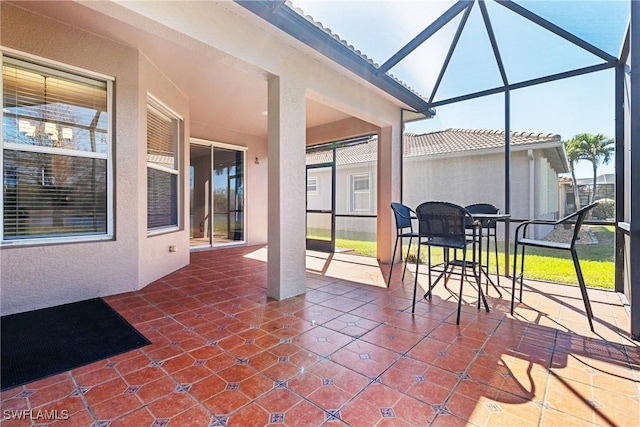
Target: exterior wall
(469,179)
(153,251)
(458,179)
(39,276)
(545,193)
(546,189)
(322,200)
(344,204)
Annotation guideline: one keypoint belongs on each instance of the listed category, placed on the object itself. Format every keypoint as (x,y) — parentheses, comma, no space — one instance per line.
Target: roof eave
(303,30)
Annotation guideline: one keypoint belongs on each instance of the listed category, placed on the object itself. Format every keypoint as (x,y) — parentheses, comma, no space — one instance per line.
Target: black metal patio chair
(443,225)
(489,228)
(575,219)
(404,216)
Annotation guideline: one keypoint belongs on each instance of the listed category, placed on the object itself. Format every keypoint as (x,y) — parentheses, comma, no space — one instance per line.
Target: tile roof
(433,143)
(357,153)
(459,140)
(335,36)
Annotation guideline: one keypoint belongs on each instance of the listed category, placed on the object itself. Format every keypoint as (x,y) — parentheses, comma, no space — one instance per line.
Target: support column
(286,153)
(634,167)
(389,183)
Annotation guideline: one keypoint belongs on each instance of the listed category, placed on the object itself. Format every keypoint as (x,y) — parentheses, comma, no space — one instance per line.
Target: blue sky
(567,107)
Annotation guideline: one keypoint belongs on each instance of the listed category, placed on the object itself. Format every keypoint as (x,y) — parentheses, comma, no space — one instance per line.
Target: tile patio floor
(348,352)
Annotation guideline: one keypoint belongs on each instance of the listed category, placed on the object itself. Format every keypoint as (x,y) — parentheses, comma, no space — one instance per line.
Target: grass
(596,260)
(359,247)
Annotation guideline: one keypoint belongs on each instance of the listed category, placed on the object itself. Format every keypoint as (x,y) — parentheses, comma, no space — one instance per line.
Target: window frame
(37,63)
(353,192)
(155,104)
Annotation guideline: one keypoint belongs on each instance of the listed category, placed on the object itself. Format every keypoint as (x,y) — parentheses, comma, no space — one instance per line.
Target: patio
(348,352)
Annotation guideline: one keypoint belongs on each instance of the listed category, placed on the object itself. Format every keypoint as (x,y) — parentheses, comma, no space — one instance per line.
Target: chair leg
(433,283)
(488,252)
(478,276)
(404,270)
(481,294)
(415,281)
(464,267)
(515,275)
(393,258)
(583,288)
(522,271)
(446,257)
(495,247)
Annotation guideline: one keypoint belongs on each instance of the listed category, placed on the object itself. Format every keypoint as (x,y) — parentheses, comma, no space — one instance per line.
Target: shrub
(604,210)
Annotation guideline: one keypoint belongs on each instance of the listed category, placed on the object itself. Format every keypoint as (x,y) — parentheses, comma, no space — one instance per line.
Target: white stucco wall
(155,259)
(469,179)
(34,277)
(458,179)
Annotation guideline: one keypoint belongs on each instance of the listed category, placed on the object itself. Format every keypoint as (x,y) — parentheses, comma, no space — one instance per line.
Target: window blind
(161,139)
(51,110)
(54,152)
(162,169)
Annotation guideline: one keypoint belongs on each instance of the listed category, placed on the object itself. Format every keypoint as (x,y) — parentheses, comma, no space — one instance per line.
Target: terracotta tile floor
(348,352)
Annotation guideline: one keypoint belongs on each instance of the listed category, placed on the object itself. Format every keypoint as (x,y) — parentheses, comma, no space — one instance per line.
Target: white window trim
(316,191)
(206,142)
(55,150)
(353,192)
(80,74)
(161,108)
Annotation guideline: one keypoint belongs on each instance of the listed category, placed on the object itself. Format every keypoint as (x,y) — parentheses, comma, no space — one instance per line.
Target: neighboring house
(605,190)
(355,188)
(467,166)
(457,165)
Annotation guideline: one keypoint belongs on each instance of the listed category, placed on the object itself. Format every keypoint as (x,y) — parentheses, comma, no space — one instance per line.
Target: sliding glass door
(216,194)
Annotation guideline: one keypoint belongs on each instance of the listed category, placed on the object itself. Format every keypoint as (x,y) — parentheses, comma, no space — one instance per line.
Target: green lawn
(597,260)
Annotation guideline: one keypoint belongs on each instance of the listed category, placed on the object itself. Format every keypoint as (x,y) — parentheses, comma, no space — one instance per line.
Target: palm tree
(574,153)
(596,149)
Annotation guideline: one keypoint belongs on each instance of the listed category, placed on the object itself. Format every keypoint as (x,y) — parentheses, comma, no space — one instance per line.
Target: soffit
(223,91)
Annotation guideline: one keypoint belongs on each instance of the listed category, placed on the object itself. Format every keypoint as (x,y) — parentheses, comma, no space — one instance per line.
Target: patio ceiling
(220,89)
(447,51)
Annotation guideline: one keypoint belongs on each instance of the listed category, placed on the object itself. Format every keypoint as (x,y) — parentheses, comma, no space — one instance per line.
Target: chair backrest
(442,220)
(483,208)
(402,214)
(579,216)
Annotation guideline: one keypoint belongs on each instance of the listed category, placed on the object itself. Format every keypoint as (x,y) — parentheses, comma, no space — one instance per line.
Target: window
(162,167)
(312,186)
(360,193)
(55,154)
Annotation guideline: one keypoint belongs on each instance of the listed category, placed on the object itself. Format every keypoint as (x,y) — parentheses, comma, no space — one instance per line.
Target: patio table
(502,217)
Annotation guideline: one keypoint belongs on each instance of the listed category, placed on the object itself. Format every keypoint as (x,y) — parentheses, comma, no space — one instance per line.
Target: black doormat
(45,342)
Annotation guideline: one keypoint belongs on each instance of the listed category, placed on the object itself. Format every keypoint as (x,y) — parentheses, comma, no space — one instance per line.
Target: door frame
(211,145)
(317,244)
